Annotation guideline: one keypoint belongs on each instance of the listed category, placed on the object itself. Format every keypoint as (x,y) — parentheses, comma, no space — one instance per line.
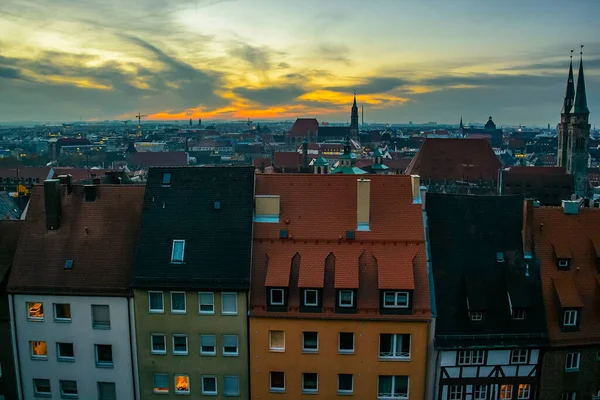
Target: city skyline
(281,60)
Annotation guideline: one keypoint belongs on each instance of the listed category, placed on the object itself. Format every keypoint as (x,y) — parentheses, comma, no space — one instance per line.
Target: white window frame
(178,241)
(206,393)
(519,314)
(456,392)
(200,311)
(187,347)
(156,310)
(346,351)
(237,347)
(526,393)
(480,392)
(516,356)
(152,351)
(508,393)
(67,395)
(35,356)
(208,353)
(279,303)
(57,319)
(471,357)
(276,349)
(563,263)
(175,384)
(395,349)
(276,389)
(351,305)
(42,394)
(223,312)
(570,317)
(95,324)
(103,364)
(340,391)
(237,378)
(304,349)
(64,358)
(184,303)
(476,316)
(381,397)
(304,390)
(154,387)
(575,359)
(29,317)
(397,303)
(316,292)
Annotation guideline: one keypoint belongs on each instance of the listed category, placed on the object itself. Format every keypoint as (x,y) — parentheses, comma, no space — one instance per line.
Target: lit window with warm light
(160,383)
(35,311)
(524,391)
(39,350)
(182,384)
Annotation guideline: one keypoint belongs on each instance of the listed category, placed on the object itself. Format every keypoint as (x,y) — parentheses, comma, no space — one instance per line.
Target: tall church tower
(563,126)
(579,136)
(354,119)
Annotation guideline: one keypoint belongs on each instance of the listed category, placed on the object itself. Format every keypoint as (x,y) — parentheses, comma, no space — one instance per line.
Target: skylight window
(177,251)
(166,179)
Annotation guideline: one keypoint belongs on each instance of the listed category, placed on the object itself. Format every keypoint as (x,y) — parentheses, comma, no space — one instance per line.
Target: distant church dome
(490,125)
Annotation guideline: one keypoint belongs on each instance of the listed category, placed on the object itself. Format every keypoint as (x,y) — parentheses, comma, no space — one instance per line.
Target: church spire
(570,92)
(580,104)
(354,118)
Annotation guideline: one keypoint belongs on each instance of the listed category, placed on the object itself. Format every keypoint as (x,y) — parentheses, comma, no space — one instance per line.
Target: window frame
(187,347)
(237,347)
(276,349)
(476,316)
(111,384)
(380,397)
(316,293)
(175,384)
(503,392)
(37,393)
(156,310)
(519,314)
(310,391)
(223,312)
(164,175)
(59,319)
(346,391)
(480,392)
(64,358)
(158,352)
(96,325)
(237,378)
(202,312)
(575,356)
(36,319)
(178,242)
(173,311)
(154,386)
(394,346)
(457,393)
(273,303)
(36,356)
(67,395)
(470,356)
(396,297)
(342,291)
(207,353)
(103,364)
(570,318)
(346,351)
(304,348)
(276,389)
(526,387)
(207,393)
(518,354)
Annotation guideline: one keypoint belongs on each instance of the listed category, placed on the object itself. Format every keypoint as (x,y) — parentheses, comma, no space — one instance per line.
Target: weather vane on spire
(355,89)
(581,50)
(571,56)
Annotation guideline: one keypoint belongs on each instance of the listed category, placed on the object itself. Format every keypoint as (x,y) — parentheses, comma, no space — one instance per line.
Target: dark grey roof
(334,131)
(569,92)
(217,239)
(9,209)
(467,233)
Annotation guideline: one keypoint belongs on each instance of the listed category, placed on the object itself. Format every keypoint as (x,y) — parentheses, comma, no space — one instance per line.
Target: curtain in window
(230,341)
(385,386)
(385,345)
(232,386)
(178,300)
(177,251)
(156,302)
(229,303)
(101,315)
(401,385)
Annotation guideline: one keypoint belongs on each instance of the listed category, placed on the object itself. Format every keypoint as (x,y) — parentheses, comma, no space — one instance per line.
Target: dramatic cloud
(272,95)
(258,58)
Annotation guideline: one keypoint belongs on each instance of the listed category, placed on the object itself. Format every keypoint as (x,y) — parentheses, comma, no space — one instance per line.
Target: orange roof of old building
(305,127)
(578,286)
(395,267)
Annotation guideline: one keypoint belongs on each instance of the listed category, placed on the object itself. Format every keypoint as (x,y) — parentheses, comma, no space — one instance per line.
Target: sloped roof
(549,185)
(290,160)
(157,159)
(455,159)
(99,237)
(9,236)
(304,126)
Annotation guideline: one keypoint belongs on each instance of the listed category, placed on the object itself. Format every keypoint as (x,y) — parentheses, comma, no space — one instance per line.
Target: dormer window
(346,298)
(570,318)
(177,251)
(395,299)
(277,297)
(564,264)
(311,298)
(518,314)
(476,316)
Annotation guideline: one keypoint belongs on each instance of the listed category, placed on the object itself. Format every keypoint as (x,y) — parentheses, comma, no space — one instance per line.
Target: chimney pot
(415,181)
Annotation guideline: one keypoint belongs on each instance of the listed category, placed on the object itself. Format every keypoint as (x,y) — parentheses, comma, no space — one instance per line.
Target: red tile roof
(287,160)
(312,269)
(561,249)
(99,237)
(455,159)
(567,291)
(302,126)
(395,267)
(278,268)
(574,232)
(346,271)
(158,159)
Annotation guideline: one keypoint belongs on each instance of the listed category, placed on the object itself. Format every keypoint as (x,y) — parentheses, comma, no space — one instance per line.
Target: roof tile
(567,291)
(395,267)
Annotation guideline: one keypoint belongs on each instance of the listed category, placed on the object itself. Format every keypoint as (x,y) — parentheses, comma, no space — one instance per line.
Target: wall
(193,324)
(83,336)
(555,380)
(364,363)
(8,384)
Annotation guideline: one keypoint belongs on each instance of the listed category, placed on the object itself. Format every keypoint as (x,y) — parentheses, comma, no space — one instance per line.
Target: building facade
(191,281)
(70,305)
(340,299)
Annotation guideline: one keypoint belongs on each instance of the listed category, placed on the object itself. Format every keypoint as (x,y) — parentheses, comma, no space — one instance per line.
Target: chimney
(68,181)
(415,181)
(571,207)
(527,231)
(97,181)
(52,203)
(90,192)
(363,204)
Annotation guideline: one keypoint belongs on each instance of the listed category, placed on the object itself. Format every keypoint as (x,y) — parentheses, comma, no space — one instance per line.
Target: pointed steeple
(354,118)
(580,104)
(461,126)
(570,91)
(354,105)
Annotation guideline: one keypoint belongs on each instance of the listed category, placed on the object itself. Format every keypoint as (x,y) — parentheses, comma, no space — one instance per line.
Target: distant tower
(190,122)
(199,122)
(563,126)
(579,136)
(362,115)
(354,119)
(461,127)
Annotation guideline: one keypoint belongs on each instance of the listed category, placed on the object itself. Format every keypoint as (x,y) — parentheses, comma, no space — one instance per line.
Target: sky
(407,60)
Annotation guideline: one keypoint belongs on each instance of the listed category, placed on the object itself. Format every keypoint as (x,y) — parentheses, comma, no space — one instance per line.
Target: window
(156,302)
(392,387)
(346,298)
(39,350)
(206,303)
(277,340)
(158,343)
(277,297)
(180,345)
(107,391)
(209,385)
(518,314)
(345,383)
(346,343)
(182,384)
(519,356)
(310,383)
(311,298)
(310,342)
(68,389)
(41,387)
(524,391)
(506,391)
(166,179)
(104,356)
(563,264)
(62,312)
(480,392)
(568,396)
(161,383)
(455,392)
(229,303)
(395,299)
(100,317)
(277,381)
(177,251)
(65,352)
(471,357)
(231,386)
(570,318)
(35,311)
(476,316)
(230,345)
(572,362)
(394,346)
(178,302)
(207,345)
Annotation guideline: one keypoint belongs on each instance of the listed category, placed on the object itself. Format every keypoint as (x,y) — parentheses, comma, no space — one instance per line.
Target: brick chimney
(52,203)
(527,231)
